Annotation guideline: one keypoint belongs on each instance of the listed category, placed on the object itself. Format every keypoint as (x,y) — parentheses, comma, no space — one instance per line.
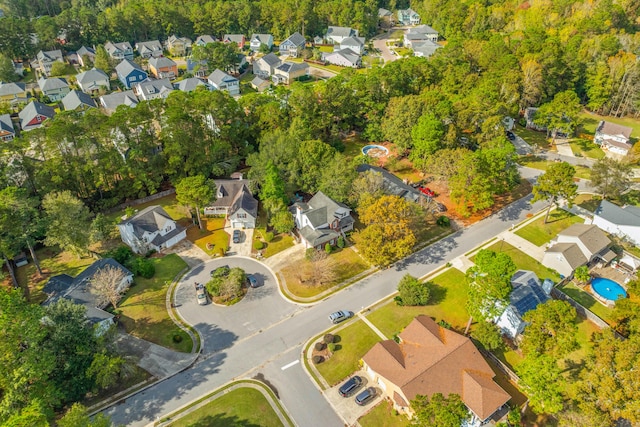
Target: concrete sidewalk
(536,252)
(280,260)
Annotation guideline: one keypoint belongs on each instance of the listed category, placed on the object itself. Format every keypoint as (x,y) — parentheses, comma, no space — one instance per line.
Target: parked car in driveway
(366,396)
(237,234)
(340,316)
(511,135)
(350,387)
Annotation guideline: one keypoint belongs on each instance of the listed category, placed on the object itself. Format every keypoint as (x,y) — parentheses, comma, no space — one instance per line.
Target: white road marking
(287,366)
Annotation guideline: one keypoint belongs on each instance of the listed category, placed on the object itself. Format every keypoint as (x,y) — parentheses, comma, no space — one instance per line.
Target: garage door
(382,385)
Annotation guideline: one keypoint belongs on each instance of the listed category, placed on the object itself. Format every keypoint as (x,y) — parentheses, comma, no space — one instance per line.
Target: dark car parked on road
(350,386)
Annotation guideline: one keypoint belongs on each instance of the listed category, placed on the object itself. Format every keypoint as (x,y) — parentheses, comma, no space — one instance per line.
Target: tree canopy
(556,184)
(489,284)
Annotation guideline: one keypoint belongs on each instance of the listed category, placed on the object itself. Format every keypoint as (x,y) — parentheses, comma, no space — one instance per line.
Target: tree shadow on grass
(437,294)
(222,420)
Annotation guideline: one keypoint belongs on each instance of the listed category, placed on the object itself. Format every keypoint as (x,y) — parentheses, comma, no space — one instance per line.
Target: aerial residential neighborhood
(351,213)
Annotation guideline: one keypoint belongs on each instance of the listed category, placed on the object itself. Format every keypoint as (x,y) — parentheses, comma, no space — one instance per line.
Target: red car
(427,191)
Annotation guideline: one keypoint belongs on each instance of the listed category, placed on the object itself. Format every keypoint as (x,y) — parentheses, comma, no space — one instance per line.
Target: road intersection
(265,334)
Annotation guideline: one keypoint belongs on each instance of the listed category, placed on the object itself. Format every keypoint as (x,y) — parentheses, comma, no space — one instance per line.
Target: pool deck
(611,273)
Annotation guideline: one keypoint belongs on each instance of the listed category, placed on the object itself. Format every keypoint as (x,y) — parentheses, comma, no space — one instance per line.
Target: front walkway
(536,252)
(564,148)
(190,253)
(284,258)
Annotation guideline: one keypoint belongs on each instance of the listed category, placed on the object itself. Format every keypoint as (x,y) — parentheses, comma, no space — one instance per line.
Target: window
(241,216)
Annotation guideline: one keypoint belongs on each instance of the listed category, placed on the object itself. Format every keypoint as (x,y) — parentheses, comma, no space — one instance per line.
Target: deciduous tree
(611,177)
(556,184)
(488,334)
(107,285)
(68,222)
(540,380)
(78,416)
(551,330)
(413,292)
(196,192)
(439,411)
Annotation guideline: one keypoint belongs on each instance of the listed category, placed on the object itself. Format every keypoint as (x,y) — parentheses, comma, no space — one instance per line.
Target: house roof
(188,85)
(271,59)
(236,38)
(608,128)
(111,47)
(75,99)
(219,77)
(340,31)
(244,200)
(590,235)
(86,51)
(50,55)
(624,145)
(262,38)
(6,125)
(114,100)
(161,62)
(527,293)
(628,215)
(353,41)
(91,76)
(347,54)
(150,219)
(426,47)
(423,29)
(258,82)
(149,46)
(571,253)
(290,67)
(12,89)
(126,66)
(321,209)
(33,109)
(52,83)
(383,13)
(393,185)
(206,39)
(173,38)
(430,359)
(150,88)
(318,237)
(79,291)
(228,190)
(296,39)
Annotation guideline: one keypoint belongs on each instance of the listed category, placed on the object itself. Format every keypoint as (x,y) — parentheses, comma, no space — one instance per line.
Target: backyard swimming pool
(375,150)
(608,289)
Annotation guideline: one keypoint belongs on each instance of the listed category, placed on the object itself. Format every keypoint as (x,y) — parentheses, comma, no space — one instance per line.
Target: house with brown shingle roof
(613,137)
(430,359)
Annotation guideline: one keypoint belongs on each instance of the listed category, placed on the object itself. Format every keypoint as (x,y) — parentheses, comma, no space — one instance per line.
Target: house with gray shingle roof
(179,46)
(321,220)
(613,137)
(86,53)
(234,199)
(293,45)
(408,17)
(418,34)
(152,48)
(258,40)
(259,84)
(356,44)
(91,81)
(7,131)
(425,48)
(130,73)
(343,58)
(336,35)
(287,72)
(623,221)
(80,291)
(163,67)
(153,89)
(238,39)
(34,115)
(576,246)
(265,66)
(76,100)
(13,93)
(55,88)
(190,84)
(220,80)
(119,50)
(151,229)
(204,40)
(45,59)
(112,101)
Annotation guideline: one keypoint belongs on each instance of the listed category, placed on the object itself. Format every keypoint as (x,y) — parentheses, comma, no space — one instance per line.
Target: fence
(141,201)
(504,368)
(582,311)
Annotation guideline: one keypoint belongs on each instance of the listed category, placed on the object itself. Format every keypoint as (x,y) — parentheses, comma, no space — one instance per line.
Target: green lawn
(588,301)
(402,51)
(212,237)
(539,233)
(449,297)
(169,203)
(240,407)
(383,415)
(533,138)
(347,265)
(590,122)
(586,148)
(353,147)
(144,311)
(325,49)
(278,244)
(524,261)
(355,341)
(542,164)
(589,202)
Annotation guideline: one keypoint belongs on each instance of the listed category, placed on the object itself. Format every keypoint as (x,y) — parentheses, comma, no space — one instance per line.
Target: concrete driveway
(346,407)
(381,45)
(222,326)
(243,247)
(521,145)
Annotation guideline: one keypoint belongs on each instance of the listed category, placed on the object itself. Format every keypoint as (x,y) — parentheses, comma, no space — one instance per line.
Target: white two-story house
(613,138)
(321,220)
(151,229)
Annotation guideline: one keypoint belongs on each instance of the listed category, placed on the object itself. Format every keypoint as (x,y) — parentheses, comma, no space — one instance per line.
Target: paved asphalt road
(246,340)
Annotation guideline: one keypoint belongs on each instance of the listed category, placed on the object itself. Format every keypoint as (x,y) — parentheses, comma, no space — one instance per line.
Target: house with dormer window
(151,229)
(321,220)
(234,199)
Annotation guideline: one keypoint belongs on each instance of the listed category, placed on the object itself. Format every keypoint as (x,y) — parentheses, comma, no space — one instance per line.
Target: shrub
(268,236)
(413,291)
(443,221)
(444,324)
(177,338)
(142,267)
(328,338)
(332,347)
(341,242)
(257,245)
(319,346)
(327,248)
(318,359)
(122,254)
(398,300)
(488,334)
(309,253)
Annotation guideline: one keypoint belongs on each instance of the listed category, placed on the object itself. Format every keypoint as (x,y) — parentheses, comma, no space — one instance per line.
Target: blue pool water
(608,289)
